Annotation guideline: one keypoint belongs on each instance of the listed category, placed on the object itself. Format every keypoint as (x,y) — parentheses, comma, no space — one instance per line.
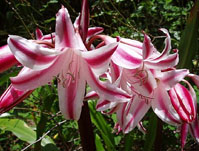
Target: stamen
(70,65)
(145,98)
(142,80)
(58,80)
(67,80)
(73,77)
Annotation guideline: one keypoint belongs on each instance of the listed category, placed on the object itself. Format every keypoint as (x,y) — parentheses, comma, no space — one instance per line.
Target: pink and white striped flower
(149,83)
(69,61)
(132,54)
(12,96)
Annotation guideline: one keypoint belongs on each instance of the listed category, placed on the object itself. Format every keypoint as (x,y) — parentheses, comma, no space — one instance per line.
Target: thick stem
(86,129)
(158,139)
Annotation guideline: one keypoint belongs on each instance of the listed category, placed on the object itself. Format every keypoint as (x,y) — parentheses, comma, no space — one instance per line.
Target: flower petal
(167,47)
(7,59)
(125,56)
(99,59)
(94,31)
(193,93)
(11,97)
(142,128)
(115,73)
(184,131)
(133,43)
(84,20)
(39,34)
(49,38)
(194,129)
(66,37)
(71,90)
(30,54)
(195,79)
(91,95)
(30,79)
(147,47)
(103,105)
(104,89)
(171,78)
(168,62)
(183,102)
(163,108)
(64,30)
(121,114)
(137,109)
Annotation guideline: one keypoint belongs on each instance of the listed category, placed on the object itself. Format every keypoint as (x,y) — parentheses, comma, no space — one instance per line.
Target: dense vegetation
(39,114)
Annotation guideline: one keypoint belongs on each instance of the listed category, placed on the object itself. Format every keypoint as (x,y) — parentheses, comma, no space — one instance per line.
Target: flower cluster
(152,80)
(137,75)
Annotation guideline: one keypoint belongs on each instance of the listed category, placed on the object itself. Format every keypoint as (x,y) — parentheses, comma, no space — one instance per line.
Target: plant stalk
(86,129)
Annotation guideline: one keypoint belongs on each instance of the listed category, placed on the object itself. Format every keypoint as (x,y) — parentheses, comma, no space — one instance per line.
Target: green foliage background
(40,113)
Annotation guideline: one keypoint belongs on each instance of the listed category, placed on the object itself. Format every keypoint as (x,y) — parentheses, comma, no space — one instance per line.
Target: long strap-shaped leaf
(151,134)
(189,45)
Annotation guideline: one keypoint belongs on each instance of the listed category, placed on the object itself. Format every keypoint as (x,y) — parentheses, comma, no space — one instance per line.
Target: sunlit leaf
(99,144)
(102,126)
(22,130)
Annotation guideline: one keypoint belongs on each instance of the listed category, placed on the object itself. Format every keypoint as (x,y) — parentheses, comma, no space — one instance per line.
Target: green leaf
(151,134)
(99,145)
(189,41)
(20,129)
(50,147)
(128,142)
(103,127)
(5,77)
